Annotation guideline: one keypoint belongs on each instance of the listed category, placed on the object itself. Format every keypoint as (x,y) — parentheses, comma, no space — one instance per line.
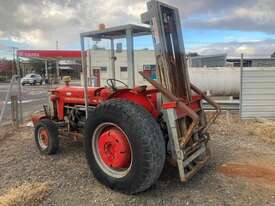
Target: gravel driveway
(72,183)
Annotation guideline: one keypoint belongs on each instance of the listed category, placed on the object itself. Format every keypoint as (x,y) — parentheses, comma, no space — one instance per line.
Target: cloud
(234,49)
(245,16)
(40,23)
(136,10)
(33,37)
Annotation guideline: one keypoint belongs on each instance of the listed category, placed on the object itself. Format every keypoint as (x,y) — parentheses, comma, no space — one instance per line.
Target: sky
(209,26)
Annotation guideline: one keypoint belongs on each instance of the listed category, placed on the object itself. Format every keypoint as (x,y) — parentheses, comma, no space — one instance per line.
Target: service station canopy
(49,54)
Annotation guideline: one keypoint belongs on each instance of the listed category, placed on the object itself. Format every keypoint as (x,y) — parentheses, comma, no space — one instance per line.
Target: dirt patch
(28,194)
(258,173)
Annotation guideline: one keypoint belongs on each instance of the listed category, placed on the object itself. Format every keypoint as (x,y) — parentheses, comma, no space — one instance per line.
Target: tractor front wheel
(46,136)
(124,146)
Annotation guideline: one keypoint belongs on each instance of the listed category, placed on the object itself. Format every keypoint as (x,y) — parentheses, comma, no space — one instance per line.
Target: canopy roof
(49,54)
(118,32)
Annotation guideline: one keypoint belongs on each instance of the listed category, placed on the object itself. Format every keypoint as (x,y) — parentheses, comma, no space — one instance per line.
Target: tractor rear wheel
(124,146)
(46,136)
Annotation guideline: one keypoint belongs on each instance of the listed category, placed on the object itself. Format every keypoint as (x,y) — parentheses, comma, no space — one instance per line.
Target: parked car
(32,79)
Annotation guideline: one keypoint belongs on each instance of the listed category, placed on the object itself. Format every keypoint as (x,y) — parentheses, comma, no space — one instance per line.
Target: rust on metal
(184,108)
(211,102)
(199,165)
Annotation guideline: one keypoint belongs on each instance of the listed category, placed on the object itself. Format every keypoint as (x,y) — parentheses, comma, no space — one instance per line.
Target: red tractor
(129,132)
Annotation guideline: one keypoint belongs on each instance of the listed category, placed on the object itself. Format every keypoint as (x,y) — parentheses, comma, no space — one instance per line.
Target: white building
(101,60)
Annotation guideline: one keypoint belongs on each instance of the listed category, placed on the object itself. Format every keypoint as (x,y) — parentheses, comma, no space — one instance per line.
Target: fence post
(241,83)
(14,110)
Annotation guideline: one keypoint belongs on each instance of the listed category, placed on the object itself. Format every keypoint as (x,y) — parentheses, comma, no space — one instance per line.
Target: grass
(27,194)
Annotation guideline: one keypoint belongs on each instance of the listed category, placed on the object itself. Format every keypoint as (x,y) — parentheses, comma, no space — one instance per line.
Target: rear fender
(137,98)
(37,118)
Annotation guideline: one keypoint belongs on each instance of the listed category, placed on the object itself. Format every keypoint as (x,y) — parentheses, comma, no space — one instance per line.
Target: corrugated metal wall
(258,93)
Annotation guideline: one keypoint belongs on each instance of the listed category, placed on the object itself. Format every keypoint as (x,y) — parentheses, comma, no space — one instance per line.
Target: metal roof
(209,56)
(118,32)
(252,58)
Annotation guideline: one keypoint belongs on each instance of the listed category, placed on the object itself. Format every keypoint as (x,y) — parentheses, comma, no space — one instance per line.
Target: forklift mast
(185,119)
(172,71)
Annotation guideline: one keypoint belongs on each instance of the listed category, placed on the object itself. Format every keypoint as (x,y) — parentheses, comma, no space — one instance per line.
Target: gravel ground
(72,183)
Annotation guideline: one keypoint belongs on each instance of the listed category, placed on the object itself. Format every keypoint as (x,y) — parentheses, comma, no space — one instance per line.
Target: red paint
(44,136)
(72,95)
(147,98)
(169,105)
(53,54)
(67,95)
(38,117)
(137,98)
(114,148)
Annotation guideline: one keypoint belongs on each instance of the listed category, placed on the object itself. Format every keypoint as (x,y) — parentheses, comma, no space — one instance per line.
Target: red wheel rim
(43,138)
(114,148)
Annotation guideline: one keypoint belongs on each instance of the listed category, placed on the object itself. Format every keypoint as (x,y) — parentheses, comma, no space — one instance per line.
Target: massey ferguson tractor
(130,131)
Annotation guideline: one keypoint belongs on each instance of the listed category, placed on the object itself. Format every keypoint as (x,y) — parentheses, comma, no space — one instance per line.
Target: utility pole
(90,63)
(57,64)
(13,71)
(56,45)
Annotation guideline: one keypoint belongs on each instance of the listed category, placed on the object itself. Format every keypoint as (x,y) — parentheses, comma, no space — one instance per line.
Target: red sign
(50,54)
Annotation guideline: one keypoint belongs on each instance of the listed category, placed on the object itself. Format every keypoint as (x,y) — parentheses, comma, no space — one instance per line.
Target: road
(33,98)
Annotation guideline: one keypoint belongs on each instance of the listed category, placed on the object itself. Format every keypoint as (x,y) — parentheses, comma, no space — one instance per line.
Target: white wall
(217,80)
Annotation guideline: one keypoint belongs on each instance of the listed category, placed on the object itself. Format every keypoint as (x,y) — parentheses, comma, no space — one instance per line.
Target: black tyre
(137,148)
(46,137)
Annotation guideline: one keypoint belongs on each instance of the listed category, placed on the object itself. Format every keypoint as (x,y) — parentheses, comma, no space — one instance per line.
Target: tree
(5,69)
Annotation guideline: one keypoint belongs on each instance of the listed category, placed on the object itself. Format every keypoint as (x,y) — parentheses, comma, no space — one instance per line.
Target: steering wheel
(112,83)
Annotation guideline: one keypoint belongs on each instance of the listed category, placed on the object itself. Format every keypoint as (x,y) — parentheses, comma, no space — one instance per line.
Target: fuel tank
(223,81)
